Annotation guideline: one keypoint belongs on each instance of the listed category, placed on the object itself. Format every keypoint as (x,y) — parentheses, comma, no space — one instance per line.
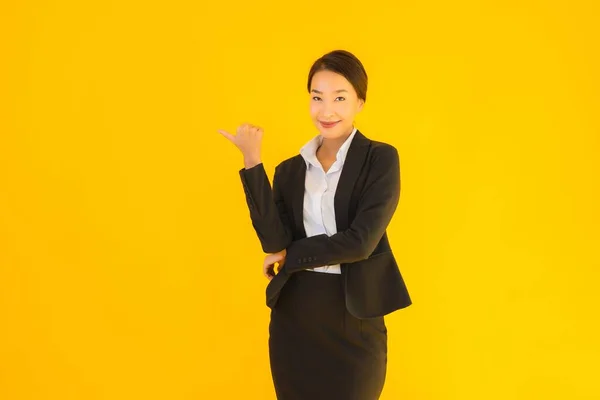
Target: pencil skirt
(317,349)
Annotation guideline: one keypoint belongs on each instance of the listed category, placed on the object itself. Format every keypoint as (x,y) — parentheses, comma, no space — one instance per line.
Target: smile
(329,124)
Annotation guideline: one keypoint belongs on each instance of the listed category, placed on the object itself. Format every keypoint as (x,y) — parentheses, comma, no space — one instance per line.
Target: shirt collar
(309,150)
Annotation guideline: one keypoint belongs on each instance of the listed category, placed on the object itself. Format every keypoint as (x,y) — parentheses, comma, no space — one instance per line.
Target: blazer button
(310,259)
(299,261)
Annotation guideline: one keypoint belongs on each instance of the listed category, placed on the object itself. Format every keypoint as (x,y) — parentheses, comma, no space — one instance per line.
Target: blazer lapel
(355,159)
(353,165)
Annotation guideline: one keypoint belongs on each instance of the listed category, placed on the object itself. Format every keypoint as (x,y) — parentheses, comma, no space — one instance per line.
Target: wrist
(250,162)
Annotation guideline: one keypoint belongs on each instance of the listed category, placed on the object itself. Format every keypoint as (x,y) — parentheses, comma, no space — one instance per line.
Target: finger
(226,134)
(269,276)
(267,268)
(268,272)
(243,129)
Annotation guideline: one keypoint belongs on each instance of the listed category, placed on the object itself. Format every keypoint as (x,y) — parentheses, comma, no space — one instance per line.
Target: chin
(330,135)
(333,133)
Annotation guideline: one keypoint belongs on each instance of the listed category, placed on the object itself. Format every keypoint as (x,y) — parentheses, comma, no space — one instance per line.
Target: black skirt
(318,350)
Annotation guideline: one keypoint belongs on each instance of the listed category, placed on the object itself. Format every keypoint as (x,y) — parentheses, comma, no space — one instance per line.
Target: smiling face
(333,104)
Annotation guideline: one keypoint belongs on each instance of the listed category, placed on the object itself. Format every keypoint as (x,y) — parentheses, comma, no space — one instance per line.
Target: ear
(361,103)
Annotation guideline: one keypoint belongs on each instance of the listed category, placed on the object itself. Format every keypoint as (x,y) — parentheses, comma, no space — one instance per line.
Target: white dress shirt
(319,193)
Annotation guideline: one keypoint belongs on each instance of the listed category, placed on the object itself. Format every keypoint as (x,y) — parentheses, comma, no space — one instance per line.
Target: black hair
(346,64)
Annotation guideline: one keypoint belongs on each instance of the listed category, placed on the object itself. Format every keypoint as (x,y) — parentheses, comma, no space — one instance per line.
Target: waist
(327,269)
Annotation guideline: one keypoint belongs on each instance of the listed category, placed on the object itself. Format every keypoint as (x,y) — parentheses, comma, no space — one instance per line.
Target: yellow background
(128,265)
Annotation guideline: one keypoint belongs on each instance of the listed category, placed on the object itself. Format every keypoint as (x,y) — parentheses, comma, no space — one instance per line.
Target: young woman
(324,223)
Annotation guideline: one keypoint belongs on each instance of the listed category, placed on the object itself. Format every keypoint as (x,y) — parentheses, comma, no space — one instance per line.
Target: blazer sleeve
(267,208)
(374,212)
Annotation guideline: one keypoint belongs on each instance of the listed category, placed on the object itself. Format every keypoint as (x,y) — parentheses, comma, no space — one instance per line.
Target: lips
(329,124)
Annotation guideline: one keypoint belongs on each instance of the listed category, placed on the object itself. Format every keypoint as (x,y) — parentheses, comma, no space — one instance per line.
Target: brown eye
(343,98)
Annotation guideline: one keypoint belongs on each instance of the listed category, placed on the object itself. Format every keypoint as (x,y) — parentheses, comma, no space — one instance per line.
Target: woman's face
(334,100)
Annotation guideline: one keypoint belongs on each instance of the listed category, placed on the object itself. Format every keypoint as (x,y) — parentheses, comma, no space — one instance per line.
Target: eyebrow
(337,91)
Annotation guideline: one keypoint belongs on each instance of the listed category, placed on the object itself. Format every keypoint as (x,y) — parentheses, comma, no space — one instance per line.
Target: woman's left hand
(269,263)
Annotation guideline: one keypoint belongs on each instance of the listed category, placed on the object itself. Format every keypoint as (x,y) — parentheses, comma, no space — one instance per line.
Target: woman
(324,223)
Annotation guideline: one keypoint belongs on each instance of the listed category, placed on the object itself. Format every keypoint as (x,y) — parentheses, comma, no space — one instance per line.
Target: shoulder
(378,150)
(382,152)
(382,147)
(289,165)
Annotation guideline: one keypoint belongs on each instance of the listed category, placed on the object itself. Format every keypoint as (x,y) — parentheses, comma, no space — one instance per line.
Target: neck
(330,147)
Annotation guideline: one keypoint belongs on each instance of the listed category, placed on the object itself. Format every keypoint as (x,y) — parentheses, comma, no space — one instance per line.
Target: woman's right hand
(249,140)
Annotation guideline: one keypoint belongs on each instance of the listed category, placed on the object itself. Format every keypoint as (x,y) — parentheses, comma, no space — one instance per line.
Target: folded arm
(374,213)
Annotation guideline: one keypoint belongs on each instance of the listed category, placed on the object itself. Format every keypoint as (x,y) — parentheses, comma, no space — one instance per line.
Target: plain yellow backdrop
(128,265)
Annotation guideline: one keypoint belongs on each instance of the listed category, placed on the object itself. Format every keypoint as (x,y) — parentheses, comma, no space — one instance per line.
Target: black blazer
(365,200)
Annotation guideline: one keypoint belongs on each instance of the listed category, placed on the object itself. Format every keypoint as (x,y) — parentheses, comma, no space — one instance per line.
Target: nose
(328,112)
